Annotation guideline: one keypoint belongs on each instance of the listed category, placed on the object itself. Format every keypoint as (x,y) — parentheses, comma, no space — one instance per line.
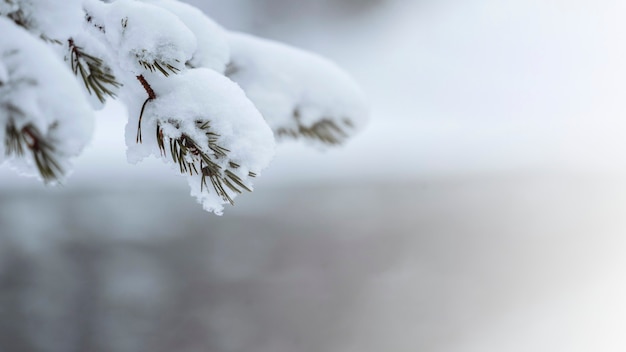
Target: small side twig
(151,96)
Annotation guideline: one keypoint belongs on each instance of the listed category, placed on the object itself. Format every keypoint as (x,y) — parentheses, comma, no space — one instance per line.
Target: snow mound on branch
(38,89)
(300,94)
(7,8)
(143,34)
(213,51)
(46,17)
(207,95)
(204,97)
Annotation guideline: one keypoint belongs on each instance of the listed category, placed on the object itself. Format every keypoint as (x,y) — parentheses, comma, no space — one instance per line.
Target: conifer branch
(95,73)
(30,138)
(192,160)
(190,157)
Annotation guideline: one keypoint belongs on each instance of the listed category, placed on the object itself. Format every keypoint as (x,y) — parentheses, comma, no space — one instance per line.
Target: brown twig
(151,96)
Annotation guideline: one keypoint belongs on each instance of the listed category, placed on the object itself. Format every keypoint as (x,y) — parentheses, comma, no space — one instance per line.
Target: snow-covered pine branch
(208,101)
(300,94)
(44,117)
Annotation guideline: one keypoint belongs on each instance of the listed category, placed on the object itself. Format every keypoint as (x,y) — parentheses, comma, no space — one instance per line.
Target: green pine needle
(192,160)
(30,138)
(160,66)
(325,130)
(96,75)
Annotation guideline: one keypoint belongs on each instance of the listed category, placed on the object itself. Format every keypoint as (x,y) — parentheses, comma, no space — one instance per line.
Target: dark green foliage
(19,18)
(160,66)
(325,130)
(192,160)
(17,141)
(95,73)
(13,140)
(28,138)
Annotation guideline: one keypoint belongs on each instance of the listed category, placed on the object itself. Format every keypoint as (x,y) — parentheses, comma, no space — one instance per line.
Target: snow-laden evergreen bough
(208,101)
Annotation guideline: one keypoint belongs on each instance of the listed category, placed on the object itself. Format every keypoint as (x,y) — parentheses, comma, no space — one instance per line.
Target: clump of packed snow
(203,94)
(46,18)
(144,34)
(213,50)
(37,89)
(295,89)
(7,8)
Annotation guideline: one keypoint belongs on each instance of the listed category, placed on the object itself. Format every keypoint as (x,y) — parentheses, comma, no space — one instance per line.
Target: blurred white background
(482,210)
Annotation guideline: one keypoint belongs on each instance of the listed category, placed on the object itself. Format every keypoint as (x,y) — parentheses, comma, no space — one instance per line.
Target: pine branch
(30,138)
(19,141)
(95,73)
(192,160)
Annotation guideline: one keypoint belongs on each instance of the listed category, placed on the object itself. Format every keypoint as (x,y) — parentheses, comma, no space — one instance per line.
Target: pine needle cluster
(17,141)
(327,131)
(192,160)
(19,18)
(159,66)
(95,73)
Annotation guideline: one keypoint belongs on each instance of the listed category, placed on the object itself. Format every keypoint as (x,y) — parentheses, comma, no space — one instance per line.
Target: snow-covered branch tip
(216,100)
(191,159)
(42,150)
